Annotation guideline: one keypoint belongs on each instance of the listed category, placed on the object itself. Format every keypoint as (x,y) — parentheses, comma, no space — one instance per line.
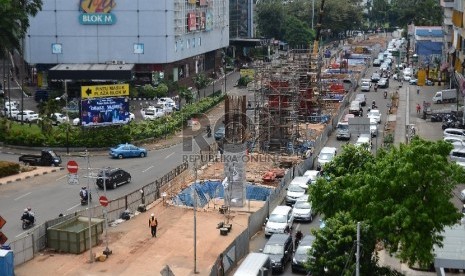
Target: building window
(138,48)
(199,40)
(57,48)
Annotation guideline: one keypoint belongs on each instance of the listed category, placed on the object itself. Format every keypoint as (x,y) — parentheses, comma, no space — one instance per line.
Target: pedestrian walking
(418,108)
(153,223)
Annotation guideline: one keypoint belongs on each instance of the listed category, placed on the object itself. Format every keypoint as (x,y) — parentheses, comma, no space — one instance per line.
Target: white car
(462,195)
(326,155)
(365,86)
(456,142)
(27,116)
(375,114)
(151,113)
(168,101)
(455,132)
(10,112)
(373,127)
(59,118)
(313,175)
(294,191)
(364,140)
(302,210)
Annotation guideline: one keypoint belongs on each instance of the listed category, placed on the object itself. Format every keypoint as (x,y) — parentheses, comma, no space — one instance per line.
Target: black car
(113,177)
(301,254)
(279,247)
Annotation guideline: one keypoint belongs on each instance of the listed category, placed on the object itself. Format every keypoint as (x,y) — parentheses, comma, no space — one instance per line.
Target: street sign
(73,179)
(3,238)
(103,201)
(72,166)
(2,222)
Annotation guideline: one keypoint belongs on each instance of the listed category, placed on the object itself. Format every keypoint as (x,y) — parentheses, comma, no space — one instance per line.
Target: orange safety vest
(153,222)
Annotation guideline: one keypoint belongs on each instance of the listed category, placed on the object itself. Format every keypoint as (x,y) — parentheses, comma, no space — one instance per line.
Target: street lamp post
(67,116)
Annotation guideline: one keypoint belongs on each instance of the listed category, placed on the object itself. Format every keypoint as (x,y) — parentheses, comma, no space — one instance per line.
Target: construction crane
(318,28)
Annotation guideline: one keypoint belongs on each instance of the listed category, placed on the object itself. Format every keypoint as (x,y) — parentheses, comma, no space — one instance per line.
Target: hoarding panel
(104,91)
(104,111)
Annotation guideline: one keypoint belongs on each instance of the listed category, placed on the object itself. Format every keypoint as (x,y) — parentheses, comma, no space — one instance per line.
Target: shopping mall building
(124,40)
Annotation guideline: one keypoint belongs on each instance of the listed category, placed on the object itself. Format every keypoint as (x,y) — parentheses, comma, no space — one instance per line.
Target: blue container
(7,263)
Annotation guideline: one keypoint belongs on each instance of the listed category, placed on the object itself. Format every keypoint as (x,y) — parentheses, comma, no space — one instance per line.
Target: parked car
(455,132)
(112,177)
(462,195)
(254,264)
(152,112)
(456,142)
(26,116)
(301,254)
(326,155)
(10,112)
(376,63)
(127,150)
(279,221)
(375,114)
(279,247)
(302,210)
(457,155)
(303,181)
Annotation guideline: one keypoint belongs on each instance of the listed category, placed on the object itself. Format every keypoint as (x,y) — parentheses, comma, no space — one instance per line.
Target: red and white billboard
(191,21)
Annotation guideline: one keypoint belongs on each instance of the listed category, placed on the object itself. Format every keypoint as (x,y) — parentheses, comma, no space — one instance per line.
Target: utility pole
(357,268)
(89,200)
(195,219)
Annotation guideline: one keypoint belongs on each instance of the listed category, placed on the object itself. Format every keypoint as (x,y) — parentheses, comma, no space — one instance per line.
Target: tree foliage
(14,22)
(403,194)
(297,33)
(334,247)
(270,19)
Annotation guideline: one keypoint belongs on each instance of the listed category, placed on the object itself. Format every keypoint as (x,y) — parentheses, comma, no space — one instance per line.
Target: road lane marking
(169,155)
(58,179)
(73,207)
(147,169)
(19,197)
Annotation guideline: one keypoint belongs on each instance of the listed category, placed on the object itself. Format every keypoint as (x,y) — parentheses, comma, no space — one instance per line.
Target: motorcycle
(385,94)
(85,199)
(436,117)
(28,221)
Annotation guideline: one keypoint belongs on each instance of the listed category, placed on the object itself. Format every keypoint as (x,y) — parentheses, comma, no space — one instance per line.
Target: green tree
(161,90)
(422,13)
(270,19)
(297,33)
(14,22)
(186,94)
(403,194)
(148,91)
(201,81)
(334,248)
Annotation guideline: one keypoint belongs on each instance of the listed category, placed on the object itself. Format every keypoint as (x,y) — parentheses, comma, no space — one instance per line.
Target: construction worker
(153,223)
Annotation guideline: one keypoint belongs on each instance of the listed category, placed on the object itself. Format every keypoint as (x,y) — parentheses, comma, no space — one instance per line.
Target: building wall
(161,26)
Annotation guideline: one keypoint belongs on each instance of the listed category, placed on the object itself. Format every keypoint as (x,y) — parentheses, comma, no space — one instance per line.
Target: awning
(91,71)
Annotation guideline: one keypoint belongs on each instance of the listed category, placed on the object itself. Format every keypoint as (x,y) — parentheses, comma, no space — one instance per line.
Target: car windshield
(53,154)
(278,218)
(150,112)
(325,156)
(295,188)
(302,205)
(343,127)
(273,249)
(301,250)
(373,113)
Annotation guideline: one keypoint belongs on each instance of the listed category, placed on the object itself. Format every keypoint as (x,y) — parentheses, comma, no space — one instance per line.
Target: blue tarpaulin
(426,48)
(206,190)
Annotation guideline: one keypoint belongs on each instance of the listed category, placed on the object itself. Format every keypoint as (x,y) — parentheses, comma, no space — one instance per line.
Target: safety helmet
(25,210)
(83,188)
(29,208)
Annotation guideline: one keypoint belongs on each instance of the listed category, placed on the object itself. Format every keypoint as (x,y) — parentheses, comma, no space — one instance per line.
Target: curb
(31,176)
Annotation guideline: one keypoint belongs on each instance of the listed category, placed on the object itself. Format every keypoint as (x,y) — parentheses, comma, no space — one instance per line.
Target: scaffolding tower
(286,95)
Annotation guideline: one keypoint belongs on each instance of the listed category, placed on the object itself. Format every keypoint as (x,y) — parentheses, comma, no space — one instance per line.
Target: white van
(255,264)
(279,221)
(354,108)
(302,181)
(294,191)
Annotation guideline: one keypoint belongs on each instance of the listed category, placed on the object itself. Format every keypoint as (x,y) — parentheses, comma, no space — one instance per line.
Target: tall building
(127,39)
(455,40)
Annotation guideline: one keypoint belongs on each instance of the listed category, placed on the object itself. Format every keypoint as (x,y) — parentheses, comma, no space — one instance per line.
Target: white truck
(444,96)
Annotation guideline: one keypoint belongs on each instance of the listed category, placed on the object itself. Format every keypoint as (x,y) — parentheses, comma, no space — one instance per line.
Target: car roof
(281,209)
(278,238)
(454,129)
(328,150)
(307,240)
(365,135)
